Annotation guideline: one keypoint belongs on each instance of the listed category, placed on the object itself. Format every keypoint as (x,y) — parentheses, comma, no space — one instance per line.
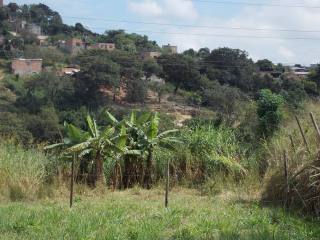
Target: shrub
(269,112)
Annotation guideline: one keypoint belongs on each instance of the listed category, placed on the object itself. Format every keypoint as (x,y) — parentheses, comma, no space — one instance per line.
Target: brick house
(1,3)
(149,55)
(170,49)
(74,46)
(102,46)
(24,67)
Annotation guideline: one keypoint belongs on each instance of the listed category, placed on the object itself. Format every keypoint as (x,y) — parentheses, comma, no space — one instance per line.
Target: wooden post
(292,143)
(72,179)
(302,134)
(315,125)
(167,184)
(286,176)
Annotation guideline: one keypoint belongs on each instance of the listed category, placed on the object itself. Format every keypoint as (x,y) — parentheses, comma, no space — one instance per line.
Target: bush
(269,112)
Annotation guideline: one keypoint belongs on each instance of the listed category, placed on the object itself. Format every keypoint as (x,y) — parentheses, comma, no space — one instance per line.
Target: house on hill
(25,67)
(69,70)
(74,46)
(43,40)
(300,71)
(169,49)
(102,46)
(149,55)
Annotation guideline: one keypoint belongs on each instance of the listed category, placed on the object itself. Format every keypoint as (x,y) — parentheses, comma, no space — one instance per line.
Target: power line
(255,4)
(193,26)
(218,35)
(242,3)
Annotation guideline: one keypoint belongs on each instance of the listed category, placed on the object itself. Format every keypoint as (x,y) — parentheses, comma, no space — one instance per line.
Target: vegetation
(210,118)
(139,214)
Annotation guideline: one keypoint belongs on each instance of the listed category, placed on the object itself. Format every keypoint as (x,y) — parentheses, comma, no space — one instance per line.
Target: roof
(28,59)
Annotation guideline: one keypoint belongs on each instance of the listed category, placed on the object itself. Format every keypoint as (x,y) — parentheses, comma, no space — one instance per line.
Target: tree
(45,89)
(265,65)
(269,112)
(293,90)
(160,88)
(150,68)
(136,89)
(96,73)
(223,99)
(315,75)
(204,53)
(232,67)
(181,71)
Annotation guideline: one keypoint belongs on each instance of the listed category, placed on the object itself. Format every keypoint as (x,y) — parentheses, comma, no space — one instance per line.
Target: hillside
(109,122)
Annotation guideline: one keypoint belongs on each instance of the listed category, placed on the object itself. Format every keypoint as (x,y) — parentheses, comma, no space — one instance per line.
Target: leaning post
(167,184)
(303,136)
(72,180)
(315,125)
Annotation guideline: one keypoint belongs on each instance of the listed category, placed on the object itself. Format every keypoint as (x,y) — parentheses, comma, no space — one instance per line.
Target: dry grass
(303,191)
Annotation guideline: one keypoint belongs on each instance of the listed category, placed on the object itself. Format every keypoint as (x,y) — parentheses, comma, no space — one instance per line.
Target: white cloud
(146,8)
(277,46)
(175,9)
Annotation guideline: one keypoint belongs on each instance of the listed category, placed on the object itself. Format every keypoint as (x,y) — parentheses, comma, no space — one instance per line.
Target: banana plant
(95,143)
(144,136)
(153,138)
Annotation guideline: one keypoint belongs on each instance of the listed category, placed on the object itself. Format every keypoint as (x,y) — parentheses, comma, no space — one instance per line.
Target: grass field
(139,214)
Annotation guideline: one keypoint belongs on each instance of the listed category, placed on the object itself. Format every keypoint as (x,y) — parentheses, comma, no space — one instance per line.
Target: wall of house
(23,67)
(74,46)
(170,49)
(34,29)
(103,46)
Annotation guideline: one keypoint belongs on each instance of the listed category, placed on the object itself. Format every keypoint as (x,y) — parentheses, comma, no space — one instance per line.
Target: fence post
(167,184)
(286,176)
(303,136)
(315,125)
(292,143)
(72,179)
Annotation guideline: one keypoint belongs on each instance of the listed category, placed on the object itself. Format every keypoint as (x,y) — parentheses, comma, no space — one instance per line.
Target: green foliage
(137,90)
(50,56)
(181,71)
(97,71)
(269,112)
(225,100)
(265,65)
(232,67)
(132,43)
(214,150)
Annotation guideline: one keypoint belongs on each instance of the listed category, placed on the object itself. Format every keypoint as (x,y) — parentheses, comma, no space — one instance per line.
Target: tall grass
(22,172)
(206,152)
(303,189)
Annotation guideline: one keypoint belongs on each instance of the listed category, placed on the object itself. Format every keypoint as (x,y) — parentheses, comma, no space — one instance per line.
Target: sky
(286,35)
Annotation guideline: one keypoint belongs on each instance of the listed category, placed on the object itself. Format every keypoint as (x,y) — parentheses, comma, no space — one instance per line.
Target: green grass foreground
(139,214)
